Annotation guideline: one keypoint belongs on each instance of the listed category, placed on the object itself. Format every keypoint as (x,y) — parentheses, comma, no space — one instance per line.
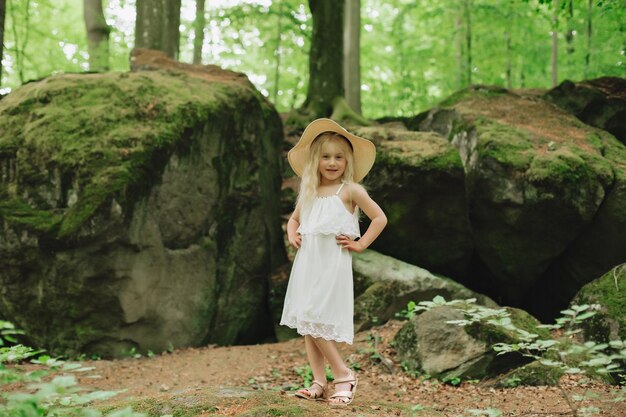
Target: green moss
(612,299)
(17,212)
(430,152)
(532,374)
(482,91)
(375,300)
(506,144)
(104,132)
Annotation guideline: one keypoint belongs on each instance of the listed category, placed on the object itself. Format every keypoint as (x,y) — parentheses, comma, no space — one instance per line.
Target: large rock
(139,209)
(385,285)
(429,344)
(418,179)
(600,102)
(608,291)
(538,182)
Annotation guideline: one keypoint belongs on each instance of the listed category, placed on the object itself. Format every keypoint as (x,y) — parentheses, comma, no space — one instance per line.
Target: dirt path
(256,380)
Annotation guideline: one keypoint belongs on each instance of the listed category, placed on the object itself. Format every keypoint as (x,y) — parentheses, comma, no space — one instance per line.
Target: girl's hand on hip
(346,243)
(295,241)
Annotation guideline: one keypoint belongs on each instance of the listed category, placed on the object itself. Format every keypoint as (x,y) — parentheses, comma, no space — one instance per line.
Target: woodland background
(412,54)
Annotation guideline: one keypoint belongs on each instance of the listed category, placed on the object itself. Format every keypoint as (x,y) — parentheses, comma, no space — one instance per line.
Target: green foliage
(413,54)
(306,374)
(60,397)
(563,354)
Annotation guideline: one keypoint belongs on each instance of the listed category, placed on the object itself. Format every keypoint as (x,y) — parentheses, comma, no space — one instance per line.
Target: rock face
(609,291)
(600,102)
(385,285)
(429,344)
(139,209)
(531,207)
(418,178)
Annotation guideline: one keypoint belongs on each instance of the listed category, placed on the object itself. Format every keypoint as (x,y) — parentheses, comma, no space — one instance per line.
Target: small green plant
(455,381)
(60,397)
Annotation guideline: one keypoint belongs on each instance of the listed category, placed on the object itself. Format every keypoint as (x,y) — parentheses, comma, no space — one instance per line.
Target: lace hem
(325,331)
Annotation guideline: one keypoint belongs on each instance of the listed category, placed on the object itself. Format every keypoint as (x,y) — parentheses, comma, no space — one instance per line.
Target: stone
(384,285)
(540,188)
(599,102)
(418,180)
(139,210)
(428,344)
(609,292)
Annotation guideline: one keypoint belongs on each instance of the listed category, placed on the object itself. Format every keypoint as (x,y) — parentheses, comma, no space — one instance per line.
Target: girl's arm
(373,211)
(292,226)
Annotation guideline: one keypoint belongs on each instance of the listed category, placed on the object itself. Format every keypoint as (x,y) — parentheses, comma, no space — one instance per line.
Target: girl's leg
(316,360)
(339,368)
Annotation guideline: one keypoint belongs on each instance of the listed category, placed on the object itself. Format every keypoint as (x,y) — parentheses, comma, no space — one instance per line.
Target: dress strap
(342,184)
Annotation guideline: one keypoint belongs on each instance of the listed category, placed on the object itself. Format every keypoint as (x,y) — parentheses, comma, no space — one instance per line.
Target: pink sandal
(314,395)
(343,395)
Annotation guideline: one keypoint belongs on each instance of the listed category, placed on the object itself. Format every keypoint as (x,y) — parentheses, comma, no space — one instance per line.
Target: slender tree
(352,54)
(468,39)
(97,35)
(3,9)
(198,27)
(588,53)
(157,26)
(277,51)
(555,42)
(21,42)
(463,26)
(325,57)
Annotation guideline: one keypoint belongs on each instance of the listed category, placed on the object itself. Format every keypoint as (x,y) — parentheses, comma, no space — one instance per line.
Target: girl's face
(332,162)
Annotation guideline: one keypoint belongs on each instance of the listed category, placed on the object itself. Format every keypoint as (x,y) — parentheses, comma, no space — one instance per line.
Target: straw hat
(363,150)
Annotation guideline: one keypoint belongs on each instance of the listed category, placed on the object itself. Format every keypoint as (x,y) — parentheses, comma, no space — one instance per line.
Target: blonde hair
(311,175)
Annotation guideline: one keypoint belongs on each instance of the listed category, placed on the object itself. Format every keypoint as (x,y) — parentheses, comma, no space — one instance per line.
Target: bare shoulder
(356,190)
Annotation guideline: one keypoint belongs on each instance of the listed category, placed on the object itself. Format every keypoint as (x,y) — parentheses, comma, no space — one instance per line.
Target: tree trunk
(157,26)
(555,42)
(569,32)
(97,35)
(198,25)
(460,51)
(277,51)
(588,54)
(468,39)
(352,54)
(3,9)
(325,57)
(507,39)
(20,42)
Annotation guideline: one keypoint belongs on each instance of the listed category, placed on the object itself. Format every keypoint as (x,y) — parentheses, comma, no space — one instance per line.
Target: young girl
(323,227)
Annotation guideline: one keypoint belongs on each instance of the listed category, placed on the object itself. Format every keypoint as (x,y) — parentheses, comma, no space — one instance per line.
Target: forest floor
(259,380)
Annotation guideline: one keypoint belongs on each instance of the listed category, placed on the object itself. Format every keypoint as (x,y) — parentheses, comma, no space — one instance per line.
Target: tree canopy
(413,54)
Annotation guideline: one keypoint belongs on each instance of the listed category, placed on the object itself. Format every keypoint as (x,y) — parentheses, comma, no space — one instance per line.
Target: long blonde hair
(311,175)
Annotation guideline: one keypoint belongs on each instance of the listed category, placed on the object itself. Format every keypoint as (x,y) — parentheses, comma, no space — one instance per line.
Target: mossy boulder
(609,292)
(533,374)
(418,180)
(139,210)
(384,285)
(537,180)
(279,279)
(599,102)
(429,344)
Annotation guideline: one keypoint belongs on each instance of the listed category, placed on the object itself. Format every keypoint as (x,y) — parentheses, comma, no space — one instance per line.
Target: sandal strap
(322,386)
(345,381)
(343,394)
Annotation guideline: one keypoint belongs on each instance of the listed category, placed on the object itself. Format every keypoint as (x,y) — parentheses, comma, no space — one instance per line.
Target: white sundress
(319,299)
